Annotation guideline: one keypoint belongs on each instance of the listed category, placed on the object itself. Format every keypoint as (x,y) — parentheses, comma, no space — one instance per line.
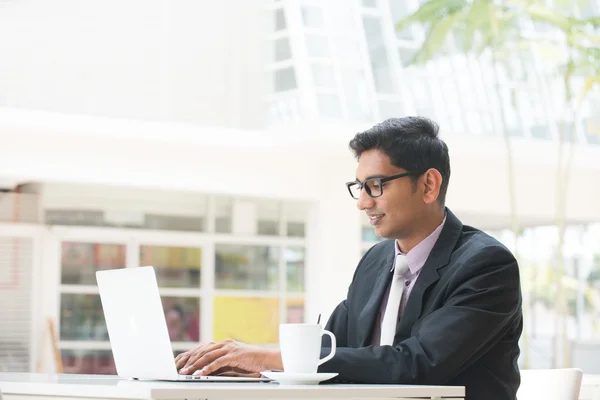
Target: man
(440,303)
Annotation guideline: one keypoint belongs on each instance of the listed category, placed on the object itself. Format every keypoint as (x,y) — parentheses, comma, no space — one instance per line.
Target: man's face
(395,212)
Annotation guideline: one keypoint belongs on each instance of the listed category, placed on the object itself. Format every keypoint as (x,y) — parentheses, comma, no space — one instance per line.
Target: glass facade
(353,65)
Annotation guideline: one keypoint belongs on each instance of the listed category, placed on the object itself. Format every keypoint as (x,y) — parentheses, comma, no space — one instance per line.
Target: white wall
(280,164)
(199,164)
(182,60)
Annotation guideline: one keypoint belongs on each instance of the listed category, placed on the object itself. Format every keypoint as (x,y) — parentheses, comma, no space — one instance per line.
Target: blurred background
(210,140)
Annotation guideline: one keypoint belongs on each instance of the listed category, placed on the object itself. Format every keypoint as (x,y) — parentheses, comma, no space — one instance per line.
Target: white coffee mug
(301,347)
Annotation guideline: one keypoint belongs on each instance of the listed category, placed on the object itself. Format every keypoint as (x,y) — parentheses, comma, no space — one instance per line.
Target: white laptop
(137,328)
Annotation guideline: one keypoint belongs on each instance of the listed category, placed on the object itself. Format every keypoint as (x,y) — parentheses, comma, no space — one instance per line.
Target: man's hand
(227,358)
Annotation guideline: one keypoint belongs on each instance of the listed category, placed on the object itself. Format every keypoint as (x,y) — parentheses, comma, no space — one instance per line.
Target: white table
(590,387)
(20,386)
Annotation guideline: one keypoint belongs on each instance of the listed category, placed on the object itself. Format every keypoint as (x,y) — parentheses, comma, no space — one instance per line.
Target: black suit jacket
(461,326)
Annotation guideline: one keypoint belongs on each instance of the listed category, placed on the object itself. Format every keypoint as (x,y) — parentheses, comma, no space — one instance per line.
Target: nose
(364,201)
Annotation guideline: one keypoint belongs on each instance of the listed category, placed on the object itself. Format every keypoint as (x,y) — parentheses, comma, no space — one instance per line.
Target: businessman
(438,303)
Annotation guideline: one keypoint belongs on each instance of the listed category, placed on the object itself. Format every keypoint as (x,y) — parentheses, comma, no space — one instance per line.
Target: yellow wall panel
(249,320)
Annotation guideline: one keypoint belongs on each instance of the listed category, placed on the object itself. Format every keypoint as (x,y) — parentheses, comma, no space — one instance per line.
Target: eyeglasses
(374,186)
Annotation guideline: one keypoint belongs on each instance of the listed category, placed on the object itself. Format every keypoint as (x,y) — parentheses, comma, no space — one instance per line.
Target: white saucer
(287,378)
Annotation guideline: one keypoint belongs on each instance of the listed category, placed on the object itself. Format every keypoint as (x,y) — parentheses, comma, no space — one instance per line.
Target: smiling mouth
(375,219)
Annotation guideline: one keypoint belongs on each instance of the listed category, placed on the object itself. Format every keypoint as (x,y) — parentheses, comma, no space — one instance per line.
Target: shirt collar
(417,256)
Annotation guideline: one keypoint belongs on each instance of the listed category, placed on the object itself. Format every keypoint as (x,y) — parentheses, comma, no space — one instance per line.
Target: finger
(214,359)
(197,354)
(181,359)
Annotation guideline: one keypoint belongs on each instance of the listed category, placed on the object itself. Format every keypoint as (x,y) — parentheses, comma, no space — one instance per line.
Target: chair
(550,384)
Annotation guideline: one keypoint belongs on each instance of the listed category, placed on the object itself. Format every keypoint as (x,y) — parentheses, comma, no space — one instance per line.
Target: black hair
(411,143)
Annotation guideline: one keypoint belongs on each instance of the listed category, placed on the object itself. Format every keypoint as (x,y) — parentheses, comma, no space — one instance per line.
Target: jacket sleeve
(338,325)
(477,312)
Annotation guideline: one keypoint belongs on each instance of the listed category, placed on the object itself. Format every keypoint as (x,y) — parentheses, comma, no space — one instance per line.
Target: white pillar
(333,250)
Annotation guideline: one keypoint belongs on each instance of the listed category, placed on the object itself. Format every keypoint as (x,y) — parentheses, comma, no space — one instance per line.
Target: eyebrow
(372,177)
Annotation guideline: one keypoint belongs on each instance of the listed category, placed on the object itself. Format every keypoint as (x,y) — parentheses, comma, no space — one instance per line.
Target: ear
(432,179)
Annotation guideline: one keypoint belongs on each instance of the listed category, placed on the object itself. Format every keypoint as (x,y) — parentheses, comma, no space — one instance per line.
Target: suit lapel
(439,257)
(366,318)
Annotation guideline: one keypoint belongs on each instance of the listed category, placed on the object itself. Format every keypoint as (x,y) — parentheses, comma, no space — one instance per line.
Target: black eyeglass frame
(380,181)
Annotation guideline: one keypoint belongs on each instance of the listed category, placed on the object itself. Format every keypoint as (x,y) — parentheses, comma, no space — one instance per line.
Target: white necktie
(390,318)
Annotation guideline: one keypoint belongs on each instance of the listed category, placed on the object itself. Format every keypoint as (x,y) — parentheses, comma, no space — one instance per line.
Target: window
(592,130)
(451,105)
(223,215)
(312,17)
(253,285)
(323,76)
(296,215)
(356,95)
(246,267)
(175,266)
(282,49)
(378,55)
(382,73)
(279,20)
(540,131)
(510,100)
(328,105)
(174,223)
(189,223)
(81,317)
(80,261)
(317,46)
(406,55)
(343,19)
(348,51)
(284,79)
(295,229)
(567,130)
(421,95)
(399,10)
(390,109)
(294,258)
(373,30)
(268,217)
(75,217)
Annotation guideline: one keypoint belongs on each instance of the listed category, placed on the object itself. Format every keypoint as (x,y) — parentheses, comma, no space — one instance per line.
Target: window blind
(15,303)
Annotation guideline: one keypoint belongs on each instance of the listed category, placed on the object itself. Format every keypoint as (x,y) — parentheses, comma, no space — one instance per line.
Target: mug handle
(333,346)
